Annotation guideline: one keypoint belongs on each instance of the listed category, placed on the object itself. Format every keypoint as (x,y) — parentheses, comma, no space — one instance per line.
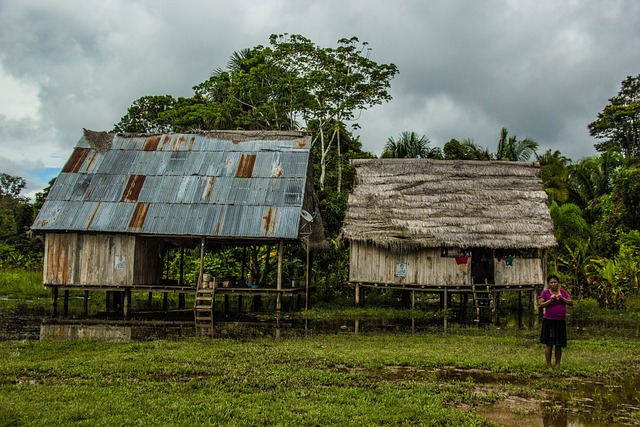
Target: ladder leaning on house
(203,308)
(484,299)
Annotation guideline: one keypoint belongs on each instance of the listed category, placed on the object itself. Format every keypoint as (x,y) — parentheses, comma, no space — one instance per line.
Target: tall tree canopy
(291,84)
(619,123)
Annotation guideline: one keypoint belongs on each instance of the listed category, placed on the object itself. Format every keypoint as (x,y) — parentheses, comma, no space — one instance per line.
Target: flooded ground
(576,403)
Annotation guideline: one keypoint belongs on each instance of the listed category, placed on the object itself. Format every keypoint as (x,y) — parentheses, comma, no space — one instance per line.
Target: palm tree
(465,150)
(590,179)
(410,145)
(512,149)
(555,175)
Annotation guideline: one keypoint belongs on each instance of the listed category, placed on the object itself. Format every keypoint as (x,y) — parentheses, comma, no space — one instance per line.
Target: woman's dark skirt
(554,332)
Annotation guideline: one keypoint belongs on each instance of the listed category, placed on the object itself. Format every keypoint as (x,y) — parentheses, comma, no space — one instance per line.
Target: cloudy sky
(541,68)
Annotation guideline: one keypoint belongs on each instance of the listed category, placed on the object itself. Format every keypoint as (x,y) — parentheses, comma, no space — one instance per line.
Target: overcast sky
(542,68)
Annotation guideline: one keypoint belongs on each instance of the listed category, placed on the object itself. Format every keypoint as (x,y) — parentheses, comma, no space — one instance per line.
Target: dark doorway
(482,266)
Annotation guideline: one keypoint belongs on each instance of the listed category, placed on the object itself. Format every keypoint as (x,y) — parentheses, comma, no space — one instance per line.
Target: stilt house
(438,225)
(121,201)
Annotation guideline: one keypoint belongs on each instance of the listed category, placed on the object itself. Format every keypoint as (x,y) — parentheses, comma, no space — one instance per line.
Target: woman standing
(554,324)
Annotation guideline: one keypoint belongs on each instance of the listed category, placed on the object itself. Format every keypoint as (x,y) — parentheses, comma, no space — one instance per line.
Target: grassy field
(336,379)
(326,380)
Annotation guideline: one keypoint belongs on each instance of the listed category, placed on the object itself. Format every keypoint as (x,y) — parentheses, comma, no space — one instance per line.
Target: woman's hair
(552,276)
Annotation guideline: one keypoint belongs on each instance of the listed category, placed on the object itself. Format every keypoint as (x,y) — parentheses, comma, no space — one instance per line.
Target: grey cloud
(542,69)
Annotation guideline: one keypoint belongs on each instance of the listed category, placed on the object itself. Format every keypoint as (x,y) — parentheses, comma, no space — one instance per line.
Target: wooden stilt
(445,298)
(519,309)
(85,305)
(279,282)
(126,305)
(65,304)
(108,301)
(54,300)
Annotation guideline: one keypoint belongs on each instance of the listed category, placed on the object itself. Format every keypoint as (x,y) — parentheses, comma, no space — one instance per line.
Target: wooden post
(519,309)
(202,241)
(150,300)
(85,305)
(54,300)
(165,301)
(181,266)
(126,306)
(307,275)
(65,309)
(181,301)
(445,297)
(279,283)
(357,296)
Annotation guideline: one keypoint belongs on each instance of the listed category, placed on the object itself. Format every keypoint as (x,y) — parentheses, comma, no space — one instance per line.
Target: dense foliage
(18,248)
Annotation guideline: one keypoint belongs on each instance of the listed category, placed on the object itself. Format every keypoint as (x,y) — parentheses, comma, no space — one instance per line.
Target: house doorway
(482,268)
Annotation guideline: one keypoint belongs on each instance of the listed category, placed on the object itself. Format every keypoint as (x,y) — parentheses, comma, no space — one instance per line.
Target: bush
(586,308)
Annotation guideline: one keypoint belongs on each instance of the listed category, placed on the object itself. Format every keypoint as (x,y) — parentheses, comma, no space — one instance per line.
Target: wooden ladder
(203,310)
(483,299)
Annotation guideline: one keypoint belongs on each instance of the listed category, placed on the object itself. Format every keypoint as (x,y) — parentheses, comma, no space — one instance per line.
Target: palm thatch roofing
(406,204)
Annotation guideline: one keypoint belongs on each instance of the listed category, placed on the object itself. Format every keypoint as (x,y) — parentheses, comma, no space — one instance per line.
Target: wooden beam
(279,283)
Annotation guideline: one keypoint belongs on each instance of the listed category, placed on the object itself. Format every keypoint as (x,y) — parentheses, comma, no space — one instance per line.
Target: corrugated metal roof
(225,186)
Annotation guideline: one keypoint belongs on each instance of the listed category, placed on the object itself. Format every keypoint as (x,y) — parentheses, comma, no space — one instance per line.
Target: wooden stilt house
(122,200)
(447,226)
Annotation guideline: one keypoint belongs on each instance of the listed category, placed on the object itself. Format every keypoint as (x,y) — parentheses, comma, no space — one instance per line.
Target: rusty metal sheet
(76,160)
(138,217)
(182,184)
(133,188)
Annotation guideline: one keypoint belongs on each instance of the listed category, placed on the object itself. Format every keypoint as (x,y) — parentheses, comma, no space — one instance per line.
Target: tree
(145,115)
(618,124)
(512,149)
(410,145)
(292,84)
(17,247)
(11,185)
(555,175)
(332,84)
(590,180)
(465,150)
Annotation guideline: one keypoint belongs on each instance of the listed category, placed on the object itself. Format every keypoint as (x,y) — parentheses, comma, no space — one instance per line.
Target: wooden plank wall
(373,264)
(524,271)
(89,259)
(148,262)
(60,265)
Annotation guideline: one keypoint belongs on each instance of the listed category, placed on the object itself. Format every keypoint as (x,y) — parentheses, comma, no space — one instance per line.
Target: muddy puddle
(573,402)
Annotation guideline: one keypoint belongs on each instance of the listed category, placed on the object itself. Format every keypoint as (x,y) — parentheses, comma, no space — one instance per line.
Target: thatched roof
(405,204)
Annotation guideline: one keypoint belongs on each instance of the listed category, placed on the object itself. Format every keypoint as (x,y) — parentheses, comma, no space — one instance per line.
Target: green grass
(22,284)
(341,379)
